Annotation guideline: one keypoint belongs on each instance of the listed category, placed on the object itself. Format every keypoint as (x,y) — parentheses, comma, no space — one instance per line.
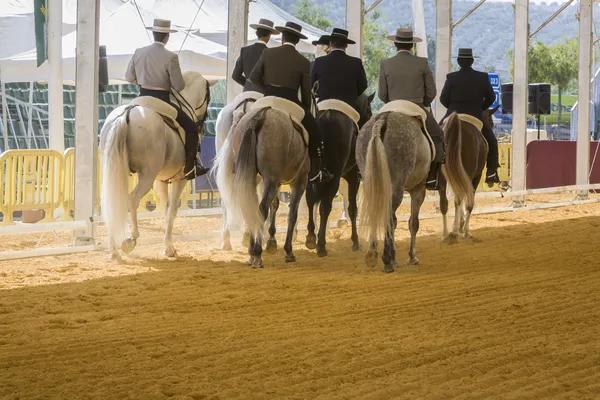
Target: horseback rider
(340,76)
(250,54)
(408,77)
(156,69)
(281,72)
(468,91)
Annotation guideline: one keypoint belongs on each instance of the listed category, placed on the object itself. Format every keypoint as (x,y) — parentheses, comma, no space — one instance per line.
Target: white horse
(136,139)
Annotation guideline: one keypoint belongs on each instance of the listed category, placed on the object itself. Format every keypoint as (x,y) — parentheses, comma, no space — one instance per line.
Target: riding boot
(491,177)
(433,177)
(318,170)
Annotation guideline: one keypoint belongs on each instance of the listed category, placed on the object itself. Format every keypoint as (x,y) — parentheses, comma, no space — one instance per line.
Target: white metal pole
(419,24)
(443,49)
(30,116)
(354,26)
(4,116)
(55,83)
(520,85)
(86,115)
(237,35)
(583,112)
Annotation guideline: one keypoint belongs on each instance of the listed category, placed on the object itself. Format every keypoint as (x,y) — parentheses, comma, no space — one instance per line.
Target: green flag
(40,13)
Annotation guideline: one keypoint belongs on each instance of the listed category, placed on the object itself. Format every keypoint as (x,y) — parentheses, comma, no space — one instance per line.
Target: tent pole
(354,25)
(86,116)
(583,112)
(4,116)
(55,83)
(419,24)
(443,49)
(237,35)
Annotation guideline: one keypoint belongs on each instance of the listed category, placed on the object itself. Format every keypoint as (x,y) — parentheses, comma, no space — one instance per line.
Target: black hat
(292,27)
(465,53)
(323,41)
(265,24)
(404,35)
(338,33)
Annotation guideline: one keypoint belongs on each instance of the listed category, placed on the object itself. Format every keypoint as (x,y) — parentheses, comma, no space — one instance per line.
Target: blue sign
(495,82)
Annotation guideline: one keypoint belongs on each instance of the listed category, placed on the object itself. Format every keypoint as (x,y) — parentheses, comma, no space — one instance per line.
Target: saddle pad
(288,107)
(250,95)
(410,109)
(165,110)
(341,106)
(471,120)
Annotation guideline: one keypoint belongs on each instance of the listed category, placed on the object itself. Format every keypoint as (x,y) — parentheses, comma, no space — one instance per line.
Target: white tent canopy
(122,31)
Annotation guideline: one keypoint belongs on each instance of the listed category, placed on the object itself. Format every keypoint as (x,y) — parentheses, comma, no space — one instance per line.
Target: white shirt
(289,44)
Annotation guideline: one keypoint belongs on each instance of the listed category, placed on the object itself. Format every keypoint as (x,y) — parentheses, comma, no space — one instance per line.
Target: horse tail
(242,198)
(115,185)
(454,170)
(376,204)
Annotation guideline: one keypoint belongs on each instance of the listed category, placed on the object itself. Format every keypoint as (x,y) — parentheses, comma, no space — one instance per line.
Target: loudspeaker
(103,71)
(539,99)
(506,98)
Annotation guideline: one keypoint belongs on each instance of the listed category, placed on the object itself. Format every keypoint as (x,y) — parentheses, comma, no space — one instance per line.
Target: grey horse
(393,155)
(138,140)
(264,142)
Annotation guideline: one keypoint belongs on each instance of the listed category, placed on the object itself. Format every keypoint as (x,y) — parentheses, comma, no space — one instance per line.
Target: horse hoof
(290,259)
(371,259)
(258,263)
(388,268)
(246,239)
(451,239)
(170,252)
(413,261)
(311,242)
(342,223)
(128,245)
(355,247)
(226,246)
(250,260)
(114,256)
(272,246)
(322,253)
(467,235)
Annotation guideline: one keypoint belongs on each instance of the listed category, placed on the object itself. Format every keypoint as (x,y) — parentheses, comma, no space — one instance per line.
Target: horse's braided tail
(244,199)
(376,204)
(453,169)
(115,175)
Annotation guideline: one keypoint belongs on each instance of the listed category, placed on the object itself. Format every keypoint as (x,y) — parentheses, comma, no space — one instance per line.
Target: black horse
(340,141)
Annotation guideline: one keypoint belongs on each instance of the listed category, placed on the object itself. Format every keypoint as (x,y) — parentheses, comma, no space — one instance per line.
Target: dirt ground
(511,314)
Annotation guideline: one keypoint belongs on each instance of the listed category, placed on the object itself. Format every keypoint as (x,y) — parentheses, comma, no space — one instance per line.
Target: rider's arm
(256,76)
(383,89)
(445,96)
(490,96)
(130,74)
(175,74)
(238,71)
(363,84)
(430,90)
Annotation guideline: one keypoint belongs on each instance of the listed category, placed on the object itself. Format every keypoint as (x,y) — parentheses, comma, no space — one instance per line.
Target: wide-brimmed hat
(465,53)
(265,24)
(404,35)
(342,34)
(161,26)
(292,27)
(323,41)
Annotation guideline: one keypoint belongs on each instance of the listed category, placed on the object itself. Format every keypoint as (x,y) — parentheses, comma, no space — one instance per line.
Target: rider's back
(156,67)
(465,92)
(406,77)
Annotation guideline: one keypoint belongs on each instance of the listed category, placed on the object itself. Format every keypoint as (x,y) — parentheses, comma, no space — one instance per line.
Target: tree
(376,47)
(557,65)
(313,14)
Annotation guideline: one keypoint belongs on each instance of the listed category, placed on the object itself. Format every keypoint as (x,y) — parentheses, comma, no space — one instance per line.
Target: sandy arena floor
(511,314)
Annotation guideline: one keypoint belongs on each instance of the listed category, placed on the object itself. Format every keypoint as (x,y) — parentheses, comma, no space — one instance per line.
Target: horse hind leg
(176,190)
(417,197)
(272,242)
(389,247)
(144,185)
(444,209)
(246,241)
(329,190)
(269,194)
(344,191)
(353,184)
(295,197)
(311,237)
(458,215)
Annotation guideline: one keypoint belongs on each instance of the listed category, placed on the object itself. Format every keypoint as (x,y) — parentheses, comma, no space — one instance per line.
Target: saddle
(165,110)
(293,110)
(341,106)
(410,109)
(469,119)
(245,97)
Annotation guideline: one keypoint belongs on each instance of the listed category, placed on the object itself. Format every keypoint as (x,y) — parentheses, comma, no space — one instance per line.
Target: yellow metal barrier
(32,180)
(504,168)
